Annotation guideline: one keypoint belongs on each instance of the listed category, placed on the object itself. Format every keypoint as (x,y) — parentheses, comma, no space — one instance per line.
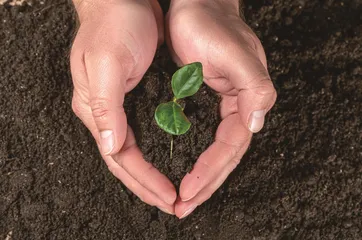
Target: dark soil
(301,178)
(201,109)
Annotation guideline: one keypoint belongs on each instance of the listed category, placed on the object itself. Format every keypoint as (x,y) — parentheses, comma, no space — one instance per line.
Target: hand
(114,47)
(211,32)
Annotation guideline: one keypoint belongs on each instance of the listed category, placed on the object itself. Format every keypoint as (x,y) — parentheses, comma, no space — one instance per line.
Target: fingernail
(107,141)
(187,212)
(166,211)
(256,121)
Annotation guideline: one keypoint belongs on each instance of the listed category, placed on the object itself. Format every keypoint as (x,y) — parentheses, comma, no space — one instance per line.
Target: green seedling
(170,116)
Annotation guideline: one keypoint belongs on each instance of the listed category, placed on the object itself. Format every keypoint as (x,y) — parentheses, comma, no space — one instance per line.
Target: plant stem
(171,149)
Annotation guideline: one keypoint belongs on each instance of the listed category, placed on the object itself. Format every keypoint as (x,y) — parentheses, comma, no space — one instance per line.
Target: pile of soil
(300,179)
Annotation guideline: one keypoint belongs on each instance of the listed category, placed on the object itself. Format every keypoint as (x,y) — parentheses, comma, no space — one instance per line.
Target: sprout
(170,116)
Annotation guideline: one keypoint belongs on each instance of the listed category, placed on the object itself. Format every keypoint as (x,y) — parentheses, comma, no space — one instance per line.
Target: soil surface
(300,179)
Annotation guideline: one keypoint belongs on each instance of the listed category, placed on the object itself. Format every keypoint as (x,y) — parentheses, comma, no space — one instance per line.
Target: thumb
(256,94)
(107,80)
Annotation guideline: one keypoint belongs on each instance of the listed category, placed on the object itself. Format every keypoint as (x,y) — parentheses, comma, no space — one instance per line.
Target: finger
(133,185)
(228,105)
(257,95)
(173,54)
(107,78)
(84,113)
(130,158)
(254,44)
(159,20)
(183,209)
(79,74)
(231,136)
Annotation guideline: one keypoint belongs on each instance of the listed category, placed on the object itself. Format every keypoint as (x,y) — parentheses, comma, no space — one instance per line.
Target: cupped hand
(114,47)
(212,32)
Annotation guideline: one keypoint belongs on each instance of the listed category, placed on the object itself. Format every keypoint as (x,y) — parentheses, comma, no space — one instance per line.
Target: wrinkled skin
(114,47)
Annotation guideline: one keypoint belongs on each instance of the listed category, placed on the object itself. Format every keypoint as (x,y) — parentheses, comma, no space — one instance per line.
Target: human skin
(235,66)
(111,54)
(114,46)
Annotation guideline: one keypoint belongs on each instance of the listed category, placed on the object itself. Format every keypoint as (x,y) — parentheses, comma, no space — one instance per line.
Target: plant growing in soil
(170,116)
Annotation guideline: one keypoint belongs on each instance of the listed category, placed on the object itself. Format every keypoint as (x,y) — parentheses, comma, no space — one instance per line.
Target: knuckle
(233,146)
(150,167)
(252,40)
(119,161)
(73,55)
(146,199)
(113,170)
(100,108)
(76,59)
(255,39)
(77,66)
(103,56)
(76,108)
(76,52)
(275,97)
(261,83)
(234,163)
(265,87)
(208,196)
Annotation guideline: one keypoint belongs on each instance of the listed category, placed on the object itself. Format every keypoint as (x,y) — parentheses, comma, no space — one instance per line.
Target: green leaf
(170,117)
(187,80)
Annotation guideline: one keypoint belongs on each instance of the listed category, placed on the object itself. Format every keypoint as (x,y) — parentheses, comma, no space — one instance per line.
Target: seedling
(170,116)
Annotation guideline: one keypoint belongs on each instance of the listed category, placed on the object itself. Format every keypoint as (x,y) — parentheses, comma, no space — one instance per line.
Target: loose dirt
(300,179)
